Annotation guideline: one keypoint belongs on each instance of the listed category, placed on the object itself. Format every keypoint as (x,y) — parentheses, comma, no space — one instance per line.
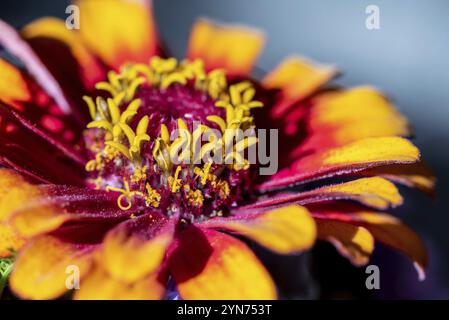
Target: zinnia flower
(89,178)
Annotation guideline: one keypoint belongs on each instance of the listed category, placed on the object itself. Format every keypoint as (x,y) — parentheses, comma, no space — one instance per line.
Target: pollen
(165,136)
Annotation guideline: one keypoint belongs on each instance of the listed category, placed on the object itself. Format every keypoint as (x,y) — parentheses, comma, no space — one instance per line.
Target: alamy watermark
(72,22)
(372,21)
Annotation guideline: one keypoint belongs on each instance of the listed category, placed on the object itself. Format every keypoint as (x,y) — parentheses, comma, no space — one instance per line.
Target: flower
(98,188)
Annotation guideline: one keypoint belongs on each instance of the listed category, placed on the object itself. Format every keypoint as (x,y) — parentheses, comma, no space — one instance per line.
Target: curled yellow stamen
(126,194)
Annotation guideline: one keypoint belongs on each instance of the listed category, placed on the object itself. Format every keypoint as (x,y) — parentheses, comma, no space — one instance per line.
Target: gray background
(407,59)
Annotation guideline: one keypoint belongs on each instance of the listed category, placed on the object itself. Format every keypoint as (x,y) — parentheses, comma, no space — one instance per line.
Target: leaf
(6,265)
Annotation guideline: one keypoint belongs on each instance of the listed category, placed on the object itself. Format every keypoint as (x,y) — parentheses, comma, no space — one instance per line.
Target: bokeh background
(407,58)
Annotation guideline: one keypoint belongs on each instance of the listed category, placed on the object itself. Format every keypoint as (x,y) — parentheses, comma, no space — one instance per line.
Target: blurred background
(407,58)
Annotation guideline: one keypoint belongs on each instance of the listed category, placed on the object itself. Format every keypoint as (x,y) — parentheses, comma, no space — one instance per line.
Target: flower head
(130,165)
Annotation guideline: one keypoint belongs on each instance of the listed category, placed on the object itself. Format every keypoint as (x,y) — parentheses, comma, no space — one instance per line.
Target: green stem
(6,266)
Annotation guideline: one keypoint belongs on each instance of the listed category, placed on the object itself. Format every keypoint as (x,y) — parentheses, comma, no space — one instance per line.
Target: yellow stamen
(204,173)
(153,197)
(174,182)
(195,198)
(126,194)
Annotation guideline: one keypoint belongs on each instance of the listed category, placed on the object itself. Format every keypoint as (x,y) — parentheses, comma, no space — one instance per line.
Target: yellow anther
(102,108)
(118,99)
(203,173)
(248,95)
(142,126)
(218,121)
(245,143)
(114,111)
(193,69)
(131,90)
(236,161)
(180,144)
(139,174)
(216,83)
(210,147)
(91,105)
(100,124)
(182,124)
(224,189)
(194,198)
(119,147)
(163,65)
(144,69)
(106,86)
(136,145)
(173,78)
(110,153)
(91,165)
(161,155)
(174,182)
(164,134)
(113,78)
(134,105)
(152,197)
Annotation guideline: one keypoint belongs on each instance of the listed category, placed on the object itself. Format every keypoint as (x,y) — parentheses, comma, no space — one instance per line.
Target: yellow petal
(233,48)
(354,242)
(373,149)
(285,230)
(10,240)
(297,77)
(210,265)
(383,227)
(118,31)
(14,192)
(99,285)
(375,192)
(338,118)
(416,175)
(40,269)
(346,160)
(135,248)
(35,219)
(13,85)
(393,232)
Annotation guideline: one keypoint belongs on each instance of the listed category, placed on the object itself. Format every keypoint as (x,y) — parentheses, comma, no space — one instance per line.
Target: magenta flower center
(168,135)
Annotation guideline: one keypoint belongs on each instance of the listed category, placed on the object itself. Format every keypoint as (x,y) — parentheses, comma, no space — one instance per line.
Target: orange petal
(99,285)
(297,77)
(40,269)
(13,85)
(210,265)
(136,247)
(54,31)
(348,159)
(233,48)
(118,31)
(384,228)
(339,118)
(354,242)
(10,241)
(285,230)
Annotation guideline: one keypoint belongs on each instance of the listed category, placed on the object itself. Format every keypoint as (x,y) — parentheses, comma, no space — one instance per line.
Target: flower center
(172,136)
